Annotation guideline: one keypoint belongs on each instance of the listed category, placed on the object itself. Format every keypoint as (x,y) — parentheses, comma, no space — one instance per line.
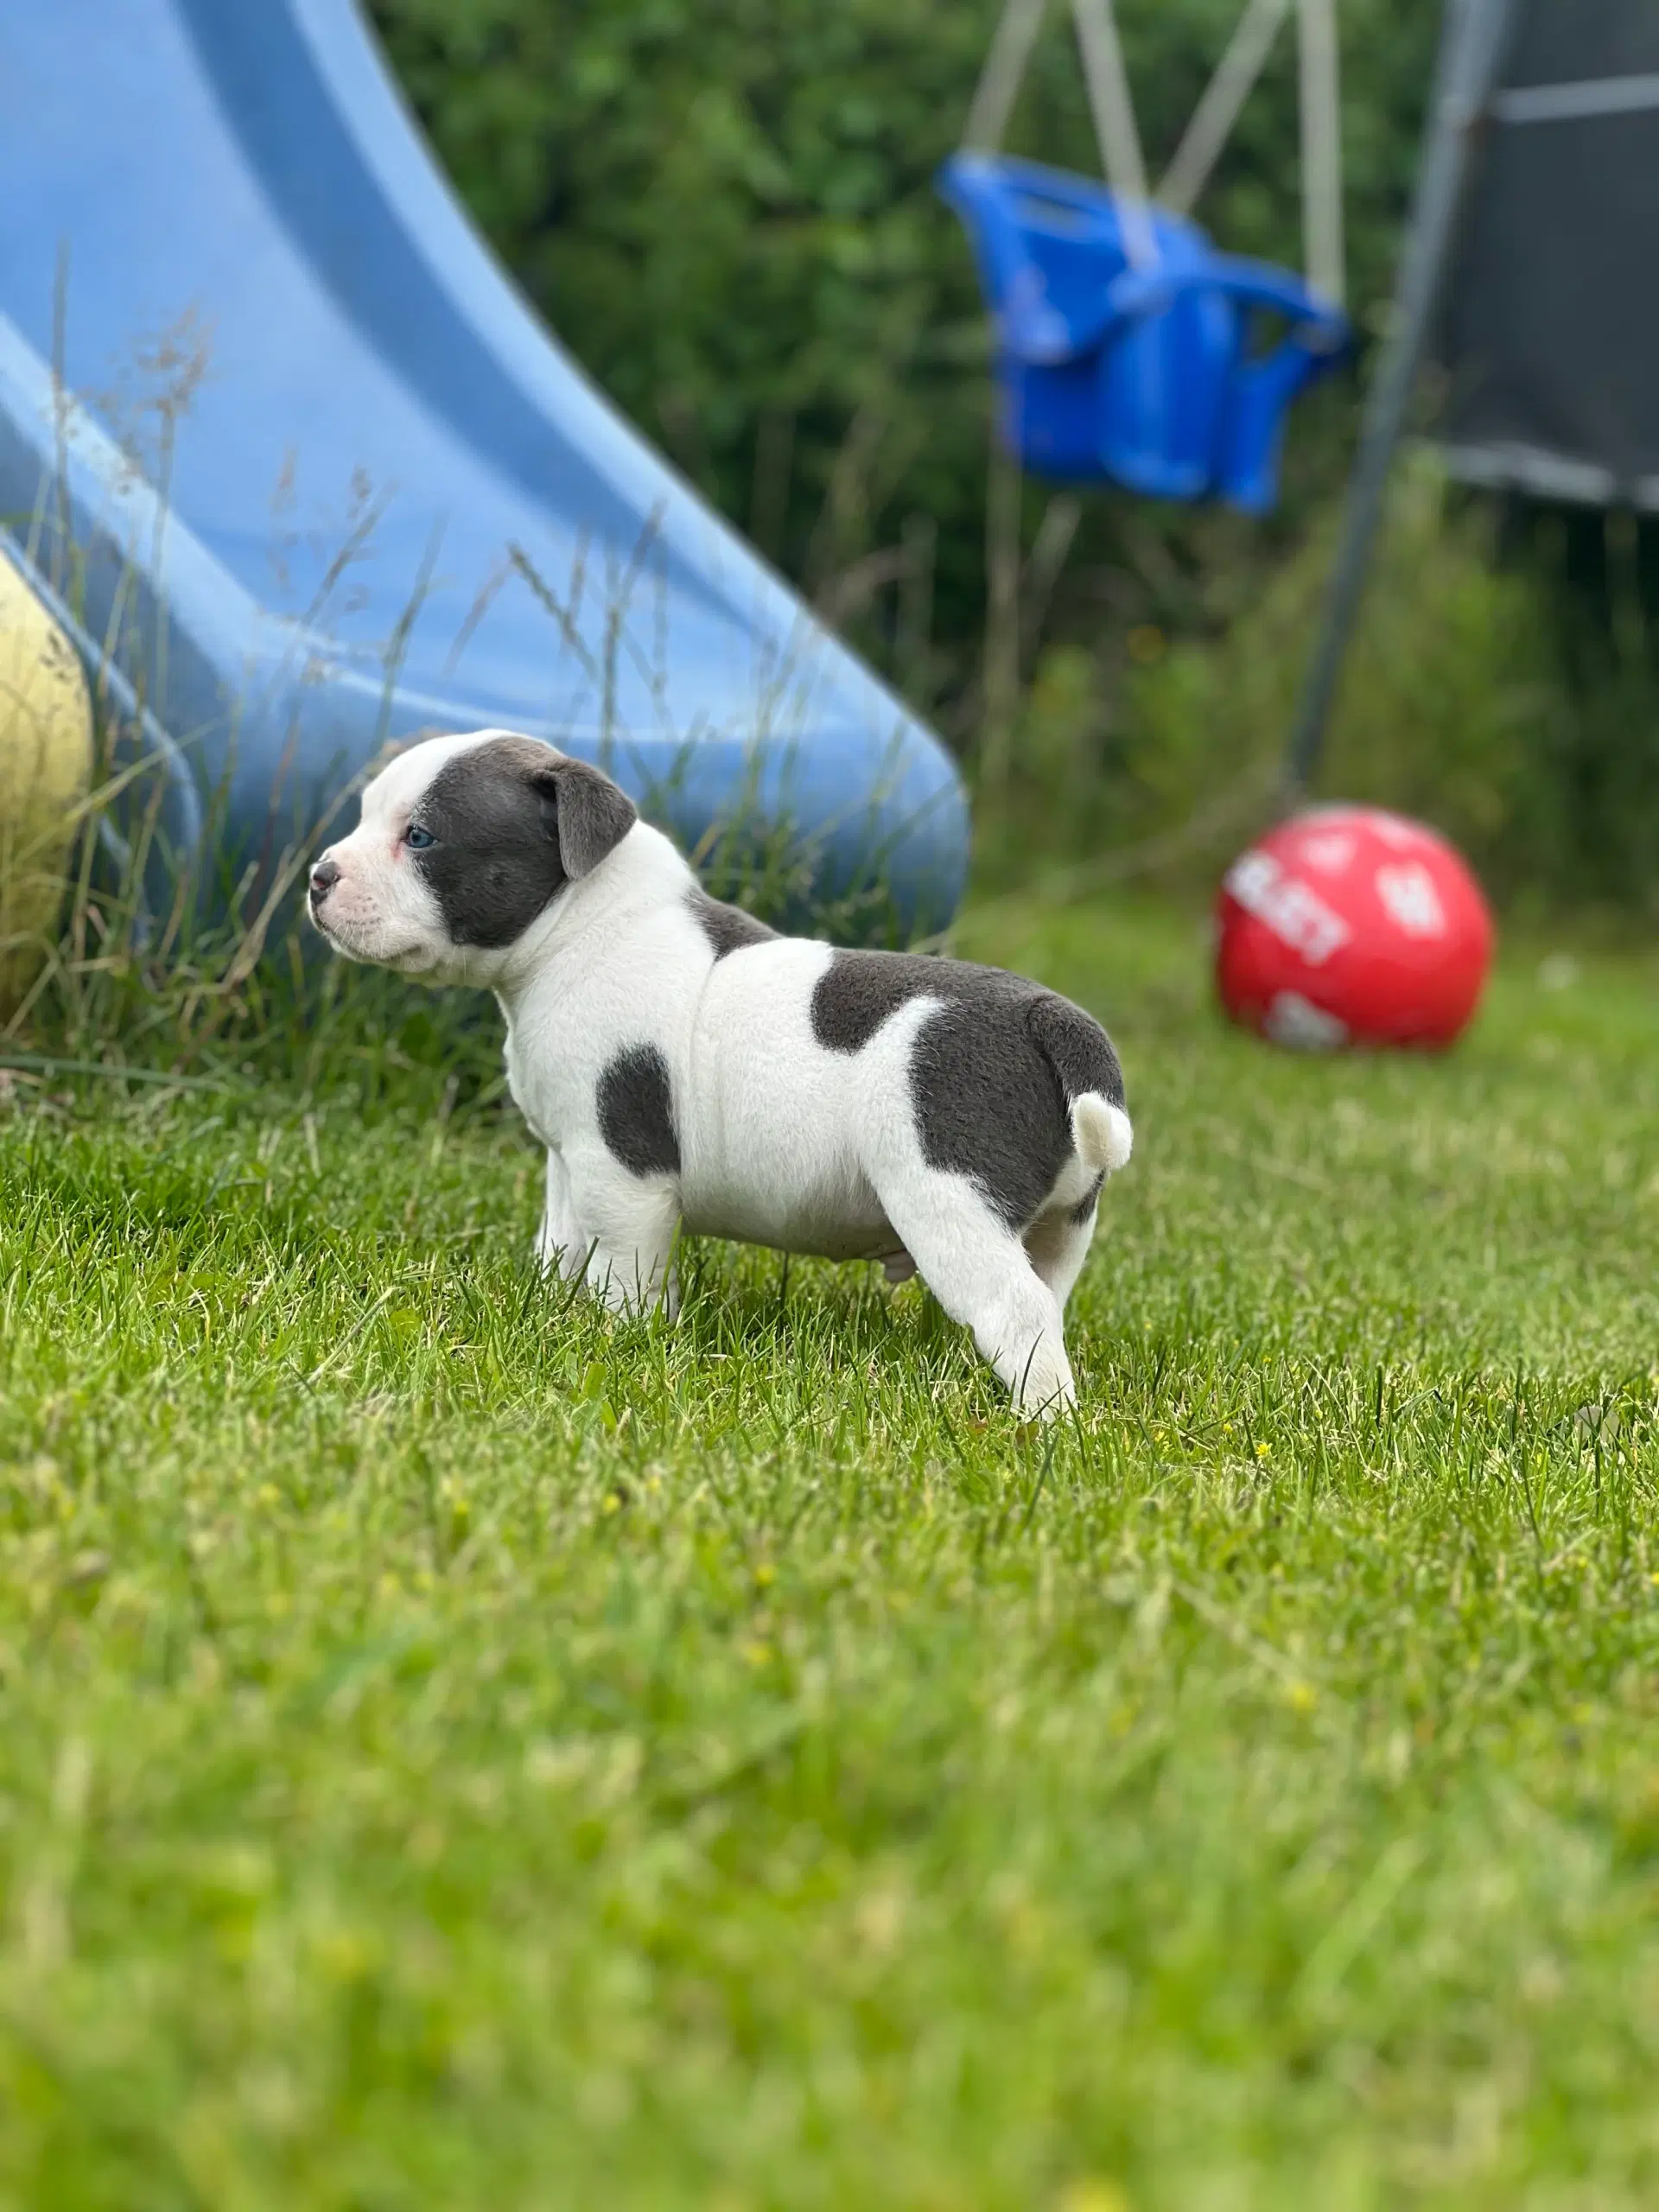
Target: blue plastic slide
(283,446)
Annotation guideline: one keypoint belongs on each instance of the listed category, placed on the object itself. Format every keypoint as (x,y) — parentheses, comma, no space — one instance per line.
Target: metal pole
(1218,111)
(1471,51)
(1003,74)
(1324,259)
(1117,132)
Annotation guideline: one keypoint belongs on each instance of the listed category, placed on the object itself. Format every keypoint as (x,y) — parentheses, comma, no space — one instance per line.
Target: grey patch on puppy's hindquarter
(990,1106)
(636,1112)
(728,928)
(1088,1202)
(1075,1047)
(994,1071)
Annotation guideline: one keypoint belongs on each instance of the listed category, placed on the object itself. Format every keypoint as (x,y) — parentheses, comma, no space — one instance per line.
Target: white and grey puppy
(684,1065)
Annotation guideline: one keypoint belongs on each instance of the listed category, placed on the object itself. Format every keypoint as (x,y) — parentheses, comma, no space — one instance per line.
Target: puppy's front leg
(559,1243)
(627,1223)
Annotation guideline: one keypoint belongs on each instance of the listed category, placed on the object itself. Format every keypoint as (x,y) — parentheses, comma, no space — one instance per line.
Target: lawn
(459,1749)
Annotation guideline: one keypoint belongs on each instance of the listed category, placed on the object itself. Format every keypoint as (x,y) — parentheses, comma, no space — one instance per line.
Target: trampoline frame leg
(1474,43)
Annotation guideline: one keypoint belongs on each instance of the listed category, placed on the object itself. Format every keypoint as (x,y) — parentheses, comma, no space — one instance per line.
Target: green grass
(459,1749)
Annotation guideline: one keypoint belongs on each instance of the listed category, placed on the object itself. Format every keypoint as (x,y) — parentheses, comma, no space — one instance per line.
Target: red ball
(1349,926)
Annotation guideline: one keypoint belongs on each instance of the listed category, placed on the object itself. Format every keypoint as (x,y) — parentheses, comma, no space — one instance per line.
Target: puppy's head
(463,843)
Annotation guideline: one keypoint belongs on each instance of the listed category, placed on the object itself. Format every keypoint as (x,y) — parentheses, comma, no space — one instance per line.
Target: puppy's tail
(1080,1054)
(1100,1133)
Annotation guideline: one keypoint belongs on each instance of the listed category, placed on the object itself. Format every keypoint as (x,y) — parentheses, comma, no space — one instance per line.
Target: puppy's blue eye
(418,837)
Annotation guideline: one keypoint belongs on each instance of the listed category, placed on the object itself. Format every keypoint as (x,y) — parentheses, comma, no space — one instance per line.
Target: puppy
(683,1065)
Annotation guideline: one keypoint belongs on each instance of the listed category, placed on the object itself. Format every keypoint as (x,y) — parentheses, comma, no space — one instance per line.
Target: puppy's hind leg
(1058,1244)
(980,1272)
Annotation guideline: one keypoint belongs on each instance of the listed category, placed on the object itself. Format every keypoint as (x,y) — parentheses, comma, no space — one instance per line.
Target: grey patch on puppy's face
(636,1112)
(508,825)
(991,1092)
(493,861)
(728,928)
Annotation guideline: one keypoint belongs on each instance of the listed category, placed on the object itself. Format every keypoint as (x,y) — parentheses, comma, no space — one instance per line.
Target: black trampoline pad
(1549,329)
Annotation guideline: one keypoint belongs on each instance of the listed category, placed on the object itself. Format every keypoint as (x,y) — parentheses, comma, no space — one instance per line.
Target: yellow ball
(45,766)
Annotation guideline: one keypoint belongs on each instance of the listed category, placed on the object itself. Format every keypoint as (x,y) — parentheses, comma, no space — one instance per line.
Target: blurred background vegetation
(725,209)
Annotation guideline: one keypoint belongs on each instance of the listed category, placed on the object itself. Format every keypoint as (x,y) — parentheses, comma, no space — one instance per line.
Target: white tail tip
(1100,1133)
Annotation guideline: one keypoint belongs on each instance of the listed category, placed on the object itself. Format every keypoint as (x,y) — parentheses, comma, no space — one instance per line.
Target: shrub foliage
(727,212)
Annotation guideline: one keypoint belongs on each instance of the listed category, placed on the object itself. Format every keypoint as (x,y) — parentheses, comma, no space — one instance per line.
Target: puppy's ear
(584,812)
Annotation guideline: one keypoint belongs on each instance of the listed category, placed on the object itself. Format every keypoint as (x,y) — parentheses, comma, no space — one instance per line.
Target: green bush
(1445,698)
(726,211)
(1458,705)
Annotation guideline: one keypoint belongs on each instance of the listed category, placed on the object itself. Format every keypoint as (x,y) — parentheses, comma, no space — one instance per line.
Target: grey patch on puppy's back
(993,1071)
(858,991)
(636,1112)
(728,928)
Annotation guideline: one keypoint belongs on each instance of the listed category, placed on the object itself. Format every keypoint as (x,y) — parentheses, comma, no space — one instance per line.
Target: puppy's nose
(324,876)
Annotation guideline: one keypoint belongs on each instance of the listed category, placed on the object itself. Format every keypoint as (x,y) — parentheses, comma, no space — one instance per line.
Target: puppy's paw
(898,1266)
(1045,1390)
(622,1285)
(565,1261)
